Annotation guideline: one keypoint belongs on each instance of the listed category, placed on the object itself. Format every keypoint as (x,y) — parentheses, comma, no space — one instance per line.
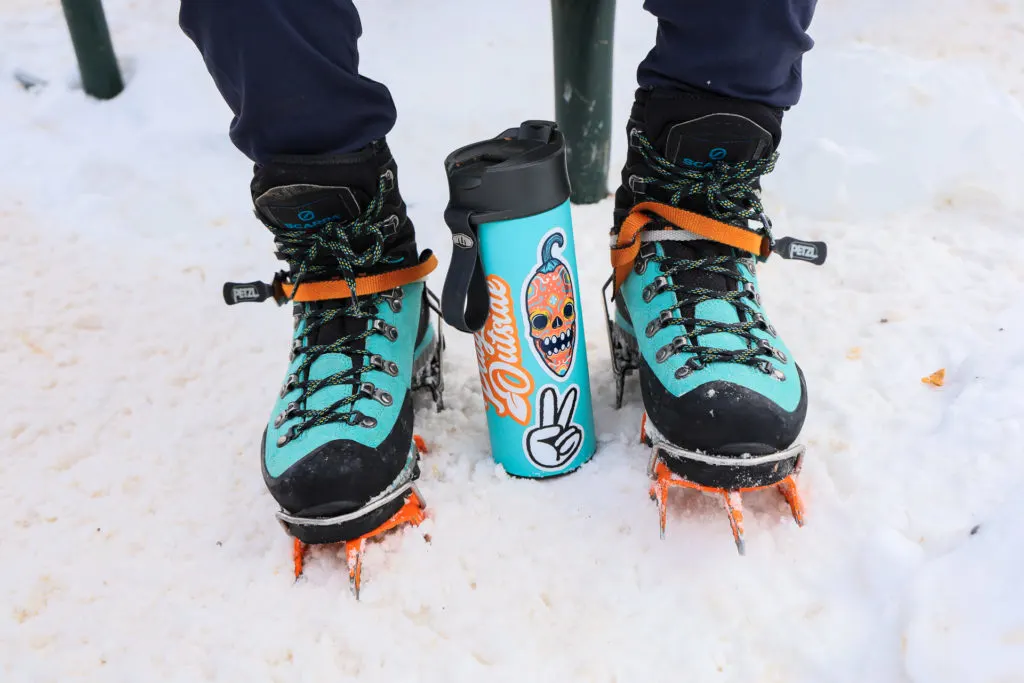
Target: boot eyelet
(634,138)
(394,299)
(670,349)
(384,398)
(767,349)
(285,414)
(383,328)
(290,383)
(637,185)
(749,288)
(296,349)
(763,323)
(658,323)
(772,371)
(691,366)
(386,366)
(655,288)
(357,419)
(390,226)
(286,437)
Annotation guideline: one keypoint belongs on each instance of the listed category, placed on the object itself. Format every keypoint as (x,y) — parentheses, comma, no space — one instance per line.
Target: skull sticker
(551,309)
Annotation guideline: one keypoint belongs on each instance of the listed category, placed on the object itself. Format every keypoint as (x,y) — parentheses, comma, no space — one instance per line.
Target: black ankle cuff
(355,169)
(654,108)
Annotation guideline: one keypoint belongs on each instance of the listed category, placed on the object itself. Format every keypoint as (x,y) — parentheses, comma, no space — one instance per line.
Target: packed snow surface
(138,542)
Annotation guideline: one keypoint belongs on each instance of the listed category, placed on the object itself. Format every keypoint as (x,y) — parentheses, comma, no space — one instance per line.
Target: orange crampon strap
(627,245)
(367,284)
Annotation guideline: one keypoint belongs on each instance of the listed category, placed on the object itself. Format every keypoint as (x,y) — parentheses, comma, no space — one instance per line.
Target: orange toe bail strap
(367,284)
(627,245)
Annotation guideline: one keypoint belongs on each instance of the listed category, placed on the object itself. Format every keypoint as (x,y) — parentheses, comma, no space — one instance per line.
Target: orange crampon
(665,480)
(412,512)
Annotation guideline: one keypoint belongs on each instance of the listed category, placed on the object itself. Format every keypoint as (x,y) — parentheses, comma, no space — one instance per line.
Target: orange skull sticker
(551,309)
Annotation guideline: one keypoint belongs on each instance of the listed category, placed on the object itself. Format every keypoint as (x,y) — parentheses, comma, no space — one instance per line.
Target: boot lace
(731,196)
(320,254)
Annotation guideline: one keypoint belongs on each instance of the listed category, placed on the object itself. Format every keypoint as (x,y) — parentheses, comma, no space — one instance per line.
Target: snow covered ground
(137,540)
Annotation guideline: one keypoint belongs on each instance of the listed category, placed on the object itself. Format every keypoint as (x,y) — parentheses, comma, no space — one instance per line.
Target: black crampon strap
(465,301)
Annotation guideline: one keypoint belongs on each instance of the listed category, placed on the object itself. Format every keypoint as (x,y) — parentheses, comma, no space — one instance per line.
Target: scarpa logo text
(310,224)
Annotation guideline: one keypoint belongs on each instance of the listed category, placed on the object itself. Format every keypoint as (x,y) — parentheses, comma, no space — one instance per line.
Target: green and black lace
(730,194)
(321,254)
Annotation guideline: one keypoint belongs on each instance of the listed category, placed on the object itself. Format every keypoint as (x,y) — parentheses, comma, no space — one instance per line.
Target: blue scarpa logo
(309,220)
(716,154)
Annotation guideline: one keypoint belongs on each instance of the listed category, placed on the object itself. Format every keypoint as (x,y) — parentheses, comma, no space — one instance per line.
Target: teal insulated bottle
(513,283)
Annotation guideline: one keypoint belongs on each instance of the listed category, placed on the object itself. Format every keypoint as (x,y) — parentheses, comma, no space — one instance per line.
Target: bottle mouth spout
(519,172)
(531,141)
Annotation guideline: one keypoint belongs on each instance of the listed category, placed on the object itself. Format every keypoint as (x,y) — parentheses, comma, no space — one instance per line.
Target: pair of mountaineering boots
(724,399)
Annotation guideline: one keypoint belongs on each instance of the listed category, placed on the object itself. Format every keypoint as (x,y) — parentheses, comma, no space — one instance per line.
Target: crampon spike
(734,506)
(298,556)
(411,512)
(787,487)
(659,492)
(354,560)
(732,500)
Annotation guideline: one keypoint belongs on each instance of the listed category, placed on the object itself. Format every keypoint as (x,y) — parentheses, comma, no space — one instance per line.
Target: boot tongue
(697,144)
(311,207)
(701,141)
(307,207)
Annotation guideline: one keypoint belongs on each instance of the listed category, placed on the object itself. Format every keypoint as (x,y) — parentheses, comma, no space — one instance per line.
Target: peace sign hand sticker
(555,439)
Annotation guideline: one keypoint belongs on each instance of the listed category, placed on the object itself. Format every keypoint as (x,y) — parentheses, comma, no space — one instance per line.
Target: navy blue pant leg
(749,49)
(289,70)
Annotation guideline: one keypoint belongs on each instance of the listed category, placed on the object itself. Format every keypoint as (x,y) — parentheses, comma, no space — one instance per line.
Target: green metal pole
(583,36)
(101,77)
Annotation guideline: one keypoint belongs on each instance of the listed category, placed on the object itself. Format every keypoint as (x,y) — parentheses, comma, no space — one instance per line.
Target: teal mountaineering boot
(338,453)
(724,399)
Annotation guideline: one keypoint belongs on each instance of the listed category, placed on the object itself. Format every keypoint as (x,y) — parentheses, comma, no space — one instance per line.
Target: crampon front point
(411,512)
(731,499)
